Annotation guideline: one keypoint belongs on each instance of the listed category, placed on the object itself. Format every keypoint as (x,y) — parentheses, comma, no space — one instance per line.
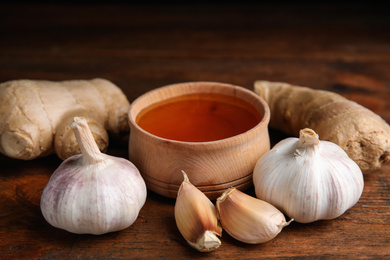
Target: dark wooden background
(344,48)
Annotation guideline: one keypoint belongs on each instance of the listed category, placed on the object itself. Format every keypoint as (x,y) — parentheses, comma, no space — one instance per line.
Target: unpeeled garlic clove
(249,219)
(196,217)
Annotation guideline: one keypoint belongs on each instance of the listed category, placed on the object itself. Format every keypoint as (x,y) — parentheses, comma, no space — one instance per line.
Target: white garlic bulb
(308,179)
(93,193)
(249,219)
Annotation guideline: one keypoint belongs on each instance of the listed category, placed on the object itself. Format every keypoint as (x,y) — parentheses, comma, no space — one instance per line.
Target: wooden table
(342,48)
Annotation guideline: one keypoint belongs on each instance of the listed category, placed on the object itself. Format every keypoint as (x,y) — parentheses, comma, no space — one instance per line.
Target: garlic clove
(249,219)
(196,217)
(93,193)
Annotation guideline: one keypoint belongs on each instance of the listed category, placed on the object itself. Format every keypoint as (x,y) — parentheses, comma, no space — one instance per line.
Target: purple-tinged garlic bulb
(92,192)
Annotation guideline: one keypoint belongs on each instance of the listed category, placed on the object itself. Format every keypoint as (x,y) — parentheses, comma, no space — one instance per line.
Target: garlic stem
(89,149)
(185,176)
(285,224)
(307,138)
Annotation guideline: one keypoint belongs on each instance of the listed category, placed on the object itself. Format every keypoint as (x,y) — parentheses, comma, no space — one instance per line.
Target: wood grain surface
(342,48)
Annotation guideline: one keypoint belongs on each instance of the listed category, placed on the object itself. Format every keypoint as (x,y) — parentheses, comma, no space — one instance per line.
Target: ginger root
(35,115)
(363,135)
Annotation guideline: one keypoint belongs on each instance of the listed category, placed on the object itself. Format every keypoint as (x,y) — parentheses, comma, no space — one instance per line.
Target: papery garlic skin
(249,219)
(196,218)
(308,179)
(93,193)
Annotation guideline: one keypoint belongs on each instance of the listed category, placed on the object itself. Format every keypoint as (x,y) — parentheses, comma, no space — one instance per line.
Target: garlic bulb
(249,219)
(196,217)
(308,179)
(93,192)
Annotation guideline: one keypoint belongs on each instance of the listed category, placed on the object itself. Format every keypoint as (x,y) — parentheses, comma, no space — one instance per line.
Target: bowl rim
(225,141)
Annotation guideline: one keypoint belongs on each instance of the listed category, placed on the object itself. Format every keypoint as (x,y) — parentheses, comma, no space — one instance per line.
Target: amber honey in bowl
(200,117)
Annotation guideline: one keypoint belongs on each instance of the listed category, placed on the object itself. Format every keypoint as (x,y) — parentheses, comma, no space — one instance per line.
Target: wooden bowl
(211,166)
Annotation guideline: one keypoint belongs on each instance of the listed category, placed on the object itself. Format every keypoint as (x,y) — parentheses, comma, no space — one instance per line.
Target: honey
(200,117)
